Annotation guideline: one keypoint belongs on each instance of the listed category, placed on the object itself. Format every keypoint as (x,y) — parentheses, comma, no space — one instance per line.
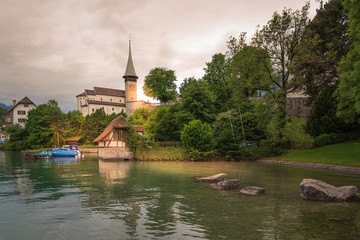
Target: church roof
(130,70)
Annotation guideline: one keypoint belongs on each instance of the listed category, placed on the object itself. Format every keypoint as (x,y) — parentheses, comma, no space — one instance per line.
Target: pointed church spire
(130,70)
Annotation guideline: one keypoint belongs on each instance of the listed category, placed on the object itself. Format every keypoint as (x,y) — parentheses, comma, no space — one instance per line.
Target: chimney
(321,4)
(14,103)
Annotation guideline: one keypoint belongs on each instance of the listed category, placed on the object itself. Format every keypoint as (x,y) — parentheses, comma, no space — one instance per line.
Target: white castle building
(113,100)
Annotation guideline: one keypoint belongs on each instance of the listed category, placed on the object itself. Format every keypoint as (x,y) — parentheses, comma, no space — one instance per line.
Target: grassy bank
(161,153)
(344,154)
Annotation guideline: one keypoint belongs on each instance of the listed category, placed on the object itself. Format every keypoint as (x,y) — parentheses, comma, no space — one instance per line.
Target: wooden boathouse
(110,141)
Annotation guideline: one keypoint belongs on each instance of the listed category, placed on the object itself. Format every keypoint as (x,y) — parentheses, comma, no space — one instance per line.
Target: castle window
(93,110)
(113,109)
(101,99)
(120,100)
(110,100)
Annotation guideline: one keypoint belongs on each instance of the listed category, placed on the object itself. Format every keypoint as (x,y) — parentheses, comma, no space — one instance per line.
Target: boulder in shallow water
(317,190)
(213,179)
(226,184)
(252,190)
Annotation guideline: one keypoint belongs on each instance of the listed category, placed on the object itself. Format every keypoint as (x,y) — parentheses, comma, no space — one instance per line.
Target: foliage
(2,113)
(294,131)
(197,136)
(249,71)
(94,124)
(17,138)
(324,44)
(332,138)
(44,125)
(74,120)
(198,100)
(161,153)
(349,70)
(279,38)
(322,118)
(140,116)
(217,79)
(160,84)
(133,140)
(185,83)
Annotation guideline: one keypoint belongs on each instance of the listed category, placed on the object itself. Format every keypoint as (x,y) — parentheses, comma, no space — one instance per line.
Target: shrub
(332,138)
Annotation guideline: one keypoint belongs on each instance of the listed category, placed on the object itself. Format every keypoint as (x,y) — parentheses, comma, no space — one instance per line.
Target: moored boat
(44,154)
(63,152)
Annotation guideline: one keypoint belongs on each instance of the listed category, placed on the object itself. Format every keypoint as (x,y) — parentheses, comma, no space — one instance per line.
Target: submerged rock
(252,190)
(317,190)
(213,179)
(226,184)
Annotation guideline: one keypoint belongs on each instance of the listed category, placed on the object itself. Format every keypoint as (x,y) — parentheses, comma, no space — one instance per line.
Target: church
(113,100)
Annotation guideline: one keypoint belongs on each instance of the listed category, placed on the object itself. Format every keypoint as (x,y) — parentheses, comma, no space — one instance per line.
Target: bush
(332,138)
(197,136)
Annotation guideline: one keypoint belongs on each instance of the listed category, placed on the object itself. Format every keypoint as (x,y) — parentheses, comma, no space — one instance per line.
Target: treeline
(243,94)
(47,126)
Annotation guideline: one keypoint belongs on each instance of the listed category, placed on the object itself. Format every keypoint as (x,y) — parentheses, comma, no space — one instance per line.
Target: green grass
(345,154)
(161,153)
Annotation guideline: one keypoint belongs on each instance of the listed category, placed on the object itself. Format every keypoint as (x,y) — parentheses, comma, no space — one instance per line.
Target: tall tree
(160,84)
(217,79)
(349,87)
(324,44)
(74,120)
(280,37)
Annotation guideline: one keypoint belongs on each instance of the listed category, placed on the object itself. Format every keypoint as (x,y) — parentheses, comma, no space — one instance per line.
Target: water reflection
(162,200)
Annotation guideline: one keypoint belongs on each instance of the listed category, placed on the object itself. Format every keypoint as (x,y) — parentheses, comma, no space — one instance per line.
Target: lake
(92,199)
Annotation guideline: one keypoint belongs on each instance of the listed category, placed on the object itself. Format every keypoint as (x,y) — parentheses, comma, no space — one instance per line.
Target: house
(19,111)
(113,100)
(74,141)
(110,141)
(4,136)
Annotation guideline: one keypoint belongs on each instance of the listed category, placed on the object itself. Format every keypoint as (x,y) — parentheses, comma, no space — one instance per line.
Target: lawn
(345,154)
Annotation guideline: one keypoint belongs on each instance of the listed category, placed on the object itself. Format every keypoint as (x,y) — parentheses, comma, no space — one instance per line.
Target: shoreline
(346,169)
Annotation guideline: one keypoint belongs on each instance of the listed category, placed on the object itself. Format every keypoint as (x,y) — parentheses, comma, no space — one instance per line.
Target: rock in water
(317,190)
(252,190)
(213,179)
(226,184)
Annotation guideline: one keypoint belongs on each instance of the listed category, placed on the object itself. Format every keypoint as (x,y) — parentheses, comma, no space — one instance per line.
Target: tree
(74,120)
(320,51)
(94,124)
(197,136)
(185,83)
(18,135)
(140,116)
(2,113)
(198,100)
(279,38)
(349,70)
(217,78)
(160,84)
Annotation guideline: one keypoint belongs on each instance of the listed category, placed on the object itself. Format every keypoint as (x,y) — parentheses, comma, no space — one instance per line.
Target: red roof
(109,92)
(119,122)
(139,128)
(89,92)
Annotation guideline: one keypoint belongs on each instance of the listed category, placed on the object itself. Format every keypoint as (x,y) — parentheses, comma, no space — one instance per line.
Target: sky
(57,49)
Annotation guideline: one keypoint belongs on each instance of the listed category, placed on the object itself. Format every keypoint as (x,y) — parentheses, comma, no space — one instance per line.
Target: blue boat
(63,152)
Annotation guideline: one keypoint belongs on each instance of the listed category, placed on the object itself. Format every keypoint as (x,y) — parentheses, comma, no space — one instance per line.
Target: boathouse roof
(118,123)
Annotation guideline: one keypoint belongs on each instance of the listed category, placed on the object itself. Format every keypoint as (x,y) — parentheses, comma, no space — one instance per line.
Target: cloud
(56,49)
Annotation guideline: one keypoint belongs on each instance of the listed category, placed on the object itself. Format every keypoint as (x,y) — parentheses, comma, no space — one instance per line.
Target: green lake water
(92,199)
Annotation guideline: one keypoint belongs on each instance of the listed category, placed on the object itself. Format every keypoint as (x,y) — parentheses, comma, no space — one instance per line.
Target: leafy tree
(74,120)
(217,79)
(279,38)
(349,87)
(185,83)
(198,100)
(94,124)
(140,116)
(160,84)
(249,71)
(323,117)
(2,113)
(324,44)
(18,135)
(197,136)
(57,119)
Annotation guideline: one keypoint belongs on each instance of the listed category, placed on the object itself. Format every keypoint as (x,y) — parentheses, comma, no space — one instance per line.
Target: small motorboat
(63,152)
(73,147)
(44,155)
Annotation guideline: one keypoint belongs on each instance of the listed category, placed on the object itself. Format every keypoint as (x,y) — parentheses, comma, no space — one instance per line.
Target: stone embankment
(354,170)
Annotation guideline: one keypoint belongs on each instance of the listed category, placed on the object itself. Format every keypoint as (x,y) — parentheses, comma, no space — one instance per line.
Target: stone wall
(115,153)
(296,107)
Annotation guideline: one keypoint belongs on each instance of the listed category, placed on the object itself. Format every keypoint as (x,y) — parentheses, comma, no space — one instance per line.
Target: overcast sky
(56,49)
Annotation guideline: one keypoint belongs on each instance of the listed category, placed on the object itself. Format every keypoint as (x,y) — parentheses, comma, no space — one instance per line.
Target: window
(113,109)
(21,120)
(110,100)
(93,110)
(21,112)
(3,136)
(26,105)
(8,119)
(120,100)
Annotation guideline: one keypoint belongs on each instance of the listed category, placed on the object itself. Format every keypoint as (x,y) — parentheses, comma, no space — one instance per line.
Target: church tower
(130,79)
